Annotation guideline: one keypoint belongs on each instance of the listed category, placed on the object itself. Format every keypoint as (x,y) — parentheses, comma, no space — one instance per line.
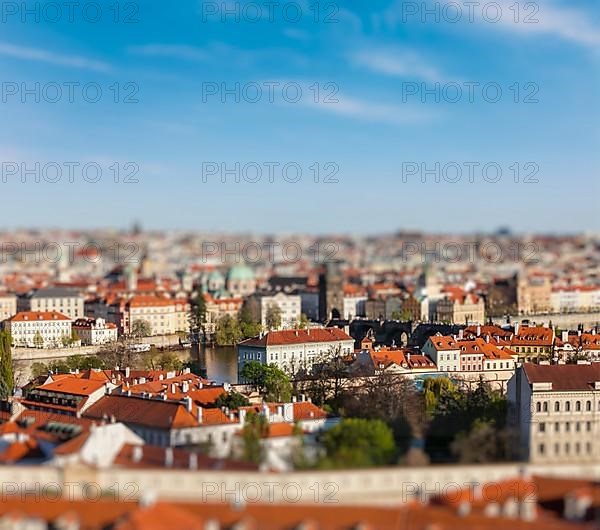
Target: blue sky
(367,55)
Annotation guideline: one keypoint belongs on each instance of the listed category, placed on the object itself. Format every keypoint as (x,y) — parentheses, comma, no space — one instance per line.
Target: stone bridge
(390,332)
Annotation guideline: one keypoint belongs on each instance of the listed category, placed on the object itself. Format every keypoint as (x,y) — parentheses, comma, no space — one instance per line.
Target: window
(557,427)
(568,406)
(541,449)
(557,406)
(567,427)
(588,405)
(578,406)
(545,406)
(542,427)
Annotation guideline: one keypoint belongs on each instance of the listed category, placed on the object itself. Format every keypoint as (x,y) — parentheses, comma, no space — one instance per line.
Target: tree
(273,317)
(272,383)
(7,382)
(254,430)
(249,327)
(140,328)
(482,444)
(231,400)
(197,315)
(166,360)
(38,340)
(277,386)
(326,380)
(358,442)
(457,412)
(394,399)
(227,331)
(120,353)
(303,323)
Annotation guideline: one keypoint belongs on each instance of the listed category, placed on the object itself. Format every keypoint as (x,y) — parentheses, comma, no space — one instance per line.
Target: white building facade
(39,329)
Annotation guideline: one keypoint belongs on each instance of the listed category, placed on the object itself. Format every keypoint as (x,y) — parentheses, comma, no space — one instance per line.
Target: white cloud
(36,54)
(372,111)
(174,51)
(397,63)
(564,22)
(551,18)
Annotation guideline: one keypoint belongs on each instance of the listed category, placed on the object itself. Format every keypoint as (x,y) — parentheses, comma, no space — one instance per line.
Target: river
(219,362)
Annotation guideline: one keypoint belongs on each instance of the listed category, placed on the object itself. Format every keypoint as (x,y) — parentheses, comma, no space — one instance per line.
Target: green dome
(240,273)
(215,276)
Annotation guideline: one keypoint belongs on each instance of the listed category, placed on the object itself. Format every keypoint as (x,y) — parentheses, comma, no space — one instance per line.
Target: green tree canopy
(249,327)
(227,331)
(272,383)
(255,428)
(231,400)
(358,442)
(140,328)
(7,382)
(273,317)
(197,317)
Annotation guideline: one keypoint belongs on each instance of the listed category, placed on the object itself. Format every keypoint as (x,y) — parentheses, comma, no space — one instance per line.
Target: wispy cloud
(172,51)
(220,53)
(396,63)
(544,17)
(69,61)
(365,110)
(557,20)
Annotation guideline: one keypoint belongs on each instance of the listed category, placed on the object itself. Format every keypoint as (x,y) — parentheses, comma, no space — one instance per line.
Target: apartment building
(556,410)
(290,306)
(60,299)
(165,315)
(8,305)
(533,342)
(456,354)
(39,329)
(218,307)
(294,349)
(355,297)
(95,331)
(458,307)
(534,294)
(576,298)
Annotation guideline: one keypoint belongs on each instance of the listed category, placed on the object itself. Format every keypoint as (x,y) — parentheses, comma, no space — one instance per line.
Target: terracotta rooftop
(564,376)
(299,336)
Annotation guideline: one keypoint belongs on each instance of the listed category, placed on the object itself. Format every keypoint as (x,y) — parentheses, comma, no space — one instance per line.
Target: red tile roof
(154,413)
(299,336)
(564,376)
(25,316)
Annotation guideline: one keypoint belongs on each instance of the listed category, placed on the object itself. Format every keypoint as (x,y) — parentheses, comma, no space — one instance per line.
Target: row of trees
(229,330)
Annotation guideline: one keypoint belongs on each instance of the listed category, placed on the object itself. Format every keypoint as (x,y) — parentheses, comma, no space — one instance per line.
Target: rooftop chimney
(188,403)
(193,461)
(138,453)
(199,412)
(169,457)
(127,371)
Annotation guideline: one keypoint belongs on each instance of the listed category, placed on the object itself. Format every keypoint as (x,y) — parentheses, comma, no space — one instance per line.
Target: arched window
(578,406)
(588,406)
(557,406)
(568,406)
(545,406)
